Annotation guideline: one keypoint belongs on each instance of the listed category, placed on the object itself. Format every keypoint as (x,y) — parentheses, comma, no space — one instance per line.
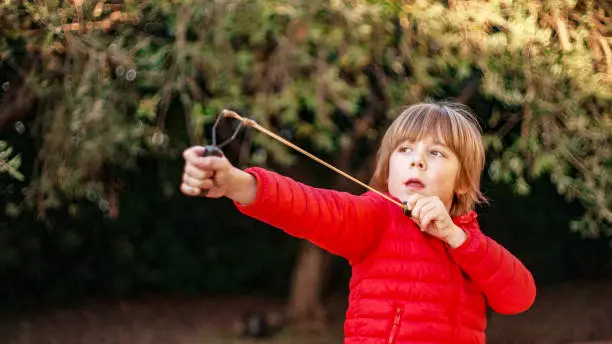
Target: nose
(417,162)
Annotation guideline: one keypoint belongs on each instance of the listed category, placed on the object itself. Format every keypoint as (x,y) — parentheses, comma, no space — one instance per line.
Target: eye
(403,149)
(437,153)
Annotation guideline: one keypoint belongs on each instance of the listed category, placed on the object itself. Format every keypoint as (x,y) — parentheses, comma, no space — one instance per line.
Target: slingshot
(215,150)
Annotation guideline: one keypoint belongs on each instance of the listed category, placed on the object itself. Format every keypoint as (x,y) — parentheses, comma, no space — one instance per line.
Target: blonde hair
(454,125)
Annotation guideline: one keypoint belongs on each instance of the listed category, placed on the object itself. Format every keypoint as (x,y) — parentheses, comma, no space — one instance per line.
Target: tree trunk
(307,284)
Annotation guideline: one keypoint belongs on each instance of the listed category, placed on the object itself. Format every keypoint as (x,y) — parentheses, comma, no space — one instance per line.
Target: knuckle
(199,174)
(189,168)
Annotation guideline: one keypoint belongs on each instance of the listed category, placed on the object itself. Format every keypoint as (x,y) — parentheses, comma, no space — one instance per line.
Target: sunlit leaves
(9,162)
(273,61)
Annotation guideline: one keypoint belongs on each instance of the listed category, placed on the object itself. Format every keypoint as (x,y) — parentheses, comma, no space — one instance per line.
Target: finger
(193,152)
(213,163)
(218,184)
(197,183)
(208,184)
(189,190)
(411,202)
(425,208)
(418,207)
(429,219)
(197,173)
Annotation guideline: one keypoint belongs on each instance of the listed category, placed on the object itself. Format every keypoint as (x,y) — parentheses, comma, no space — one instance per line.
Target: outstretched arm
(339,222)
(507,284)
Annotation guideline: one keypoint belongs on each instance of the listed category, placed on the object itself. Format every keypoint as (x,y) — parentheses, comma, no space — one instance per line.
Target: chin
(401,195)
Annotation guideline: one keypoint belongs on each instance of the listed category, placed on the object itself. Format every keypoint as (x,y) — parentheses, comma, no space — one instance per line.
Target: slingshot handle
(405,209)
(211,151)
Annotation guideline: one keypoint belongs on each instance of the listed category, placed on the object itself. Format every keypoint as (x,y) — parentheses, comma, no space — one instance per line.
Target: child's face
(426,167)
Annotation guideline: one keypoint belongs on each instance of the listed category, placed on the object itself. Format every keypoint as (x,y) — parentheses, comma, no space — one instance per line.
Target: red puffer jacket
(406,286)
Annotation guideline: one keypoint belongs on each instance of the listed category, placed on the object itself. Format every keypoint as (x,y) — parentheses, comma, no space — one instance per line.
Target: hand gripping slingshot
(215,150)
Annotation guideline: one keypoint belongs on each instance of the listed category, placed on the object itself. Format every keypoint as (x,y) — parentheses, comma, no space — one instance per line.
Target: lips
(414,184)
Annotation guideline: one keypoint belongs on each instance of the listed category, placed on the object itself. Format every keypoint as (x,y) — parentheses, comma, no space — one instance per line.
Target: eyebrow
(434,142)
(438,143)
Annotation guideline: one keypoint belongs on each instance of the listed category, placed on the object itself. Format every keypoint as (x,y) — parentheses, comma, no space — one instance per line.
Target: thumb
(221,181)
(213,163)
(215,193)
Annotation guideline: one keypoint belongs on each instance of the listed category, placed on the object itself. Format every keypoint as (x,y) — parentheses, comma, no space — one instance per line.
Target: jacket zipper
(396,322)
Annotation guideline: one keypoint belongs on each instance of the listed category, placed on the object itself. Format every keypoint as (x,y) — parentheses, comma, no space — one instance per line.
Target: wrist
(457,237)
(242,187)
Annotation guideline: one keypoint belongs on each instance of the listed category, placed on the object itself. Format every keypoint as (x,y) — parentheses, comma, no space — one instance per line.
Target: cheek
(447,176)
(393,170)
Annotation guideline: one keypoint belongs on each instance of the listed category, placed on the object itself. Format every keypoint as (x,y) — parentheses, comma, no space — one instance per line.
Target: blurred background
(98,99)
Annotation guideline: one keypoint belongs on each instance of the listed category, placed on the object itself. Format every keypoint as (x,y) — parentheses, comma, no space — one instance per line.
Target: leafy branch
(8,163)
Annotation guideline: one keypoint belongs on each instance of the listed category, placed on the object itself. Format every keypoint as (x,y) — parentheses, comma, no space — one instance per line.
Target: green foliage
(308,66)
(162,244)
(560,93)
(9,163)
(112,104)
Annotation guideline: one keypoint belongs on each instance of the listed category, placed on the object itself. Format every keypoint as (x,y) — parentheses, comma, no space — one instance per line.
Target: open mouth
(414,184)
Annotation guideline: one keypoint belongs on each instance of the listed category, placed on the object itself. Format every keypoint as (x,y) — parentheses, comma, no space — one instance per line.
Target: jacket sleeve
(341,223)
(507,284)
